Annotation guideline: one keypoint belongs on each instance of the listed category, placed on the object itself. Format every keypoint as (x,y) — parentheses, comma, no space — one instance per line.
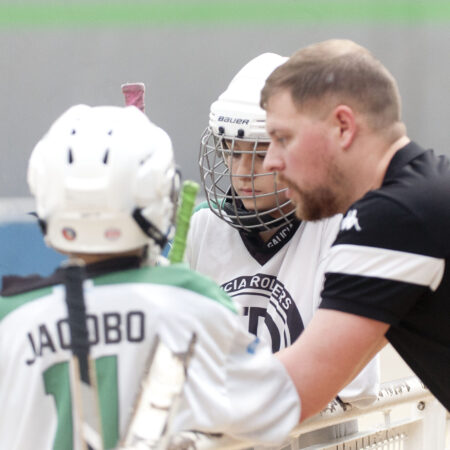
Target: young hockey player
(249,240)
(105,189)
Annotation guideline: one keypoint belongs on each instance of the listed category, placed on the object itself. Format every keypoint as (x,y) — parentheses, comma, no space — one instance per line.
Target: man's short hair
(324,75)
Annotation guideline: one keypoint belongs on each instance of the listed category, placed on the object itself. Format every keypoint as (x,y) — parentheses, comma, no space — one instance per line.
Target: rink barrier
(405,416)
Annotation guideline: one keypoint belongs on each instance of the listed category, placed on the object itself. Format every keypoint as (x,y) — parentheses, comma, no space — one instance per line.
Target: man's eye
(285,140)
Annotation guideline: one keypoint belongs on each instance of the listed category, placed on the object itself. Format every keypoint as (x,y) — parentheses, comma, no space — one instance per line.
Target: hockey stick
(165,373)
(184,213)
(161,388)
(134,94)
(85,392)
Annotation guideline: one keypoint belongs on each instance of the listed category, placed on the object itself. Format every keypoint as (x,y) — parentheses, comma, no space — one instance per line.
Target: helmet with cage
(104,181)
(232,150)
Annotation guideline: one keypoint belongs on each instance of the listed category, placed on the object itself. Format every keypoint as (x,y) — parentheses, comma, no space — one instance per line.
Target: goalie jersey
(127,307)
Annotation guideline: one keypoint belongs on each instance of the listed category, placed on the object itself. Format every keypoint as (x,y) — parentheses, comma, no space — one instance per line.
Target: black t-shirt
(390,262)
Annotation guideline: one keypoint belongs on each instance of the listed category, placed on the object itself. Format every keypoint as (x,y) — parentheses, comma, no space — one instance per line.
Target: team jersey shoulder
(177,275)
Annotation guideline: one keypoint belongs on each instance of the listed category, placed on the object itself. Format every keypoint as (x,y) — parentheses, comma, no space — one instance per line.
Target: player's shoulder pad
(176,275)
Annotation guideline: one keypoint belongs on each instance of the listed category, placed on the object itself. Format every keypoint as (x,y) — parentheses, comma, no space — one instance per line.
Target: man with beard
(338,142)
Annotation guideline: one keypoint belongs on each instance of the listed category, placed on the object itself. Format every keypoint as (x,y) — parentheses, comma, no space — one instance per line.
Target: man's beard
(316,204)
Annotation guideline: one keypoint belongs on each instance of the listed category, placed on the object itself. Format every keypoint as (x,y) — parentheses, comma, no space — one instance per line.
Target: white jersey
(125,311)
(277,284)
(279,294)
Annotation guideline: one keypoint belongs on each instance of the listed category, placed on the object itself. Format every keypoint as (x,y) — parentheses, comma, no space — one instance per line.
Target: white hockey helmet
(236,116)
(104,181)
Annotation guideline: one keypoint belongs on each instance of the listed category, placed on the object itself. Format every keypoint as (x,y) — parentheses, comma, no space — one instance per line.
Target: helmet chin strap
(41,222)
(149,229)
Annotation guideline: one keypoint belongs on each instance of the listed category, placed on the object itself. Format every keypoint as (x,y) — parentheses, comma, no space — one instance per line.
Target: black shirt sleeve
(382,261)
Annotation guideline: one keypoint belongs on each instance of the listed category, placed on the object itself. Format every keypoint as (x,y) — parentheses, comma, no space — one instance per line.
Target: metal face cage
(217,153)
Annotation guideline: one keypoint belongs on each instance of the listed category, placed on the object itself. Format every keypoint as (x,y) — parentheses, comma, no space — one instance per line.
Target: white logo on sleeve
(350,220)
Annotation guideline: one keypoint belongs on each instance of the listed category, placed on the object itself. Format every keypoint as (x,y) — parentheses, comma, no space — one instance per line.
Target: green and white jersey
(125,311)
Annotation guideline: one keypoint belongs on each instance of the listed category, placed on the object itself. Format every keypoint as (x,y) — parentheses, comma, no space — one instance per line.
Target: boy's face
(257,188)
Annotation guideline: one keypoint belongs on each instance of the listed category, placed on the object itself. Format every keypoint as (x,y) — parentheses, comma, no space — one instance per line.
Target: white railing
(404,417)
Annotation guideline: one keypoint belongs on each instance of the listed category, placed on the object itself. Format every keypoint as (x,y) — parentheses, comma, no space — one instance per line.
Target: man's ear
(345,122)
